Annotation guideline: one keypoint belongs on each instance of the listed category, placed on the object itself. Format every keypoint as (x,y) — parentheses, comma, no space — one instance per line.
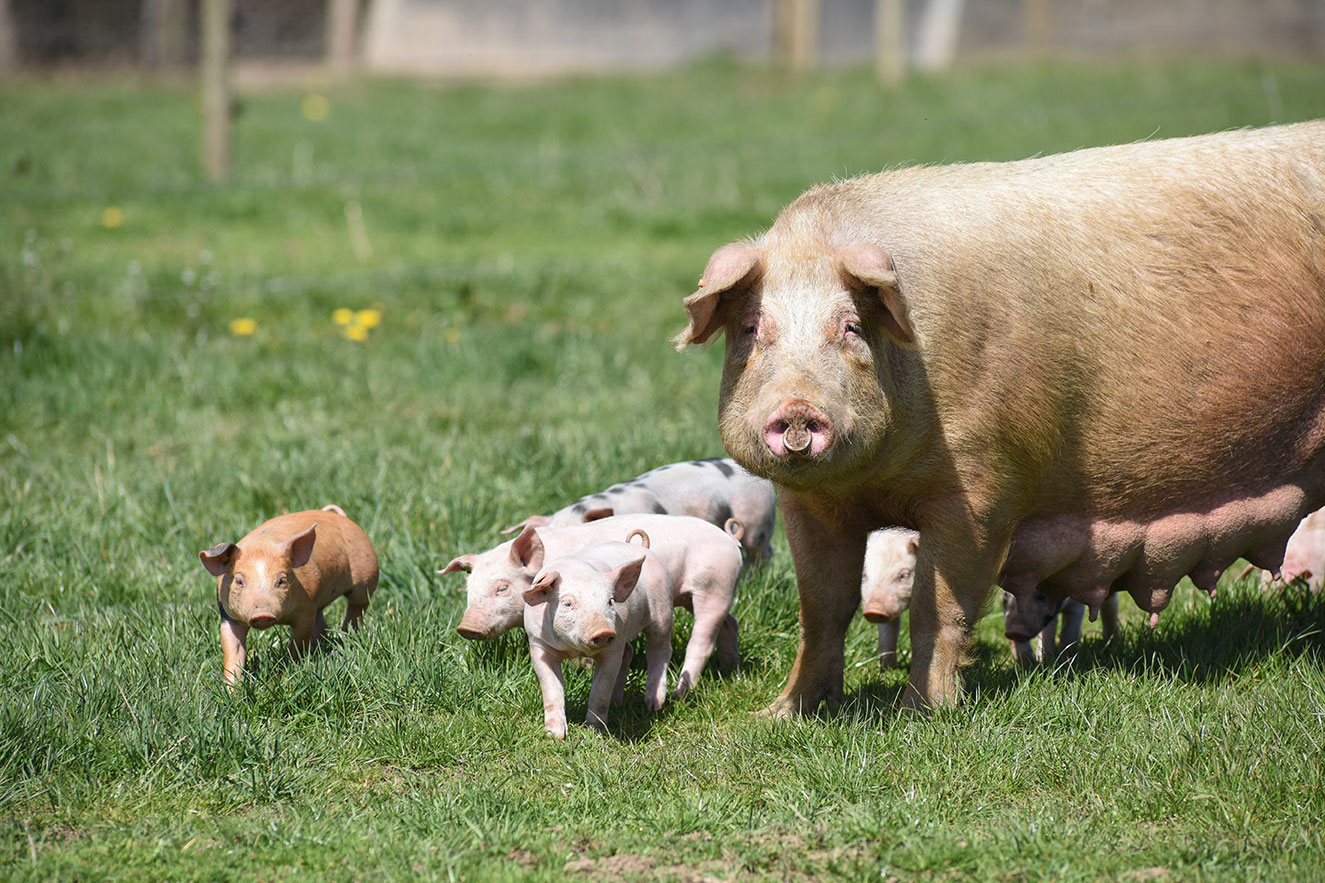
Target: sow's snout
(798,429)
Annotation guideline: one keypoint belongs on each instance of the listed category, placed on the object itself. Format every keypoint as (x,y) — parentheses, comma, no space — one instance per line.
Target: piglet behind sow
(284,573)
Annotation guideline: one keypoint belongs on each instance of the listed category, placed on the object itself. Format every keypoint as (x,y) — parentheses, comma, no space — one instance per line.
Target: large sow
(1085,373)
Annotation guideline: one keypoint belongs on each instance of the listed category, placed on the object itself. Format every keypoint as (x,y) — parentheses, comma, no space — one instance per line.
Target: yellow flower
(356,332)
(112,217)
(368,318)
(342,316)
(452,335)
(243,327)
(315,108)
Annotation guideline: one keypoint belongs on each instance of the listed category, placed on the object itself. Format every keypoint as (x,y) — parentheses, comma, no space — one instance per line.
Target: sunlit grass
(176,370)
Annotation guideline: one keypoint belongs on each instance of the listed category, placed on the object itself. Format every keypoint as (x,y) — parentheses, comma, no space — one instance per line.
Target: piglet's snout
(602,637)
(262,620)
(473,626)
(879,613)
(798,429)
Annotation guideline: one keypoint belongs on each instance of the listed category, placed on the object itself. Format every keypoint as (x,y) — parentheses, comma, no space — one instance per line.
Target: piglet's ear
(531,521)
(464,562)
(868,265)
(538,592)
(527,550)
(627,575)
(597,514)
(913,545)
(217,558)
(731,269)
(301,546)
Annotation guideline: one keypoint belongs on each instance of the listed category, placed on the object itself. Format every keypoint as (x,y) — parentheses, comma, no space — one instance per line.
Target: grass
(528,248)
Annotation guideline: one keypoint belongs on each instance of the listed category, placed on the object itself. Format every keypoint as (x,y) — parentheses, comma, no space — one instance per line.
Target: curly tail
(332,507)
(644,538)
(735,528)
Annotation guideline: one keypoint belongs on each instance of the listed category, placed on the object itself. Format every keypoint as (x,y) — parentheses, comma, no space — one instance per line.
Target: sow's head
(813,338)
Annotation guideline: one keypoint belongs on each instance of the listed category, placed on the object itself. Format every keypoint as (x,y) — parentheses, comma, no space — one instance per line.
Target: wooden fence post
(342,35)
(215,68)
(796,33)
(890,42)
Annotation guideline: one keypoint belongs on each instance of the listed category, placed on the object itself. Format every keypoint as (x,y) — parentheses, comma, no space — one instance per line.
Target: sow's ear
(731,267)
(867,265)
(217,558)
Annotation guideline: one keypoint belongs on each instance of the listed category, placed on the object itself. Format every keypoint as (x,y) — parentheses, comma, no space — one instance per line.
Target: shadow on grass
(1241,628)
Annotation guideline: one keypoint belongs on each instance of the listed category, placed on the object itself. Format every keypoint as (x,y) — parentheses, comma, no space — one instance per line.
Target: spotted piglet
(592,603)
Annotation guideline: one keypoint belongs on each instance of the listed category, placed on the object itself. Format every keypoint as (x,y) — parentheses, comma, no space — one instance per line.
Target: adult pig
(703,562)
(284,572)
(886,584)
(1083,373)
(1029,616)
(715,490)
(591,604)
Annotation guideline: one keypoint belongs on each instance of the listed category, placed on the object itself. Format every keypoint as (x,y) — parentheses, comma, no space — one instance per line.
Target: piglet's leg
(305,633)
(547,667)
(1109,617)
(955,572)
(888,632)
(619,691)
(729,654)
(710,615)
(1069,636)
(234,648)
(657,653)
(1049,642)
(356,602)
(828,562)
(607,667)
(1023,653)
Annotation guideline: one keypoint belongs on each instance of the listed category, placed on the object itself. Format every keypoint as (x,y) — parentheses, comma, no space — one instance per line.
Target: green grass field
(527,248)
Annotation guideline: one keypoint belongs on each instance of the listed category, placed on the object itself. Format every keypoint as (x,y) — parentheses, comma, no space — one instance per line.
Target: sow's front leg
(955,572)
(828,561)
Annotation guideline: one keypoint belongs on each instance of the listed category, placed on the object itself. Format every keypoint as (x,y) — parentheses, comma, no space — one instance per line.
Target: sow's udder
(1086,559)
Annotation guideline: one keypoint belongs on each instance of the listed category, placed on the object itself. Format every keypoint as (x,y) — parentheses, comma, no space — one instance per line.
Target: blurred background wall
(524,37)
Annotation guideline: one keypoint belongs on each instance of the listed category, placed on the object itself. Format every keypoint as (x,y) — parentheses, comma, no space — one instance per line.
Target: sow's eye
(501,588)
(851,328)
(238,581)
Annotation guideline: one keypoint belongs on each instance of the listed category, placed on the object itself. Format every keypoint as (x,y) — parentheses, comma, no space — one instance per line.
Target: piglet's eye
(501,588)
(239,581)
(567,603)
(749,330)
(281,581)
(903,574)
(851,328)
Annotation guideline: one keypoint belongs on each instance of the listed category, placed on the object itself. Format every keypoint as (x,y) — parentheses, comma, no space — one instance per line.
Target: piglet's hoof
(781,710)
